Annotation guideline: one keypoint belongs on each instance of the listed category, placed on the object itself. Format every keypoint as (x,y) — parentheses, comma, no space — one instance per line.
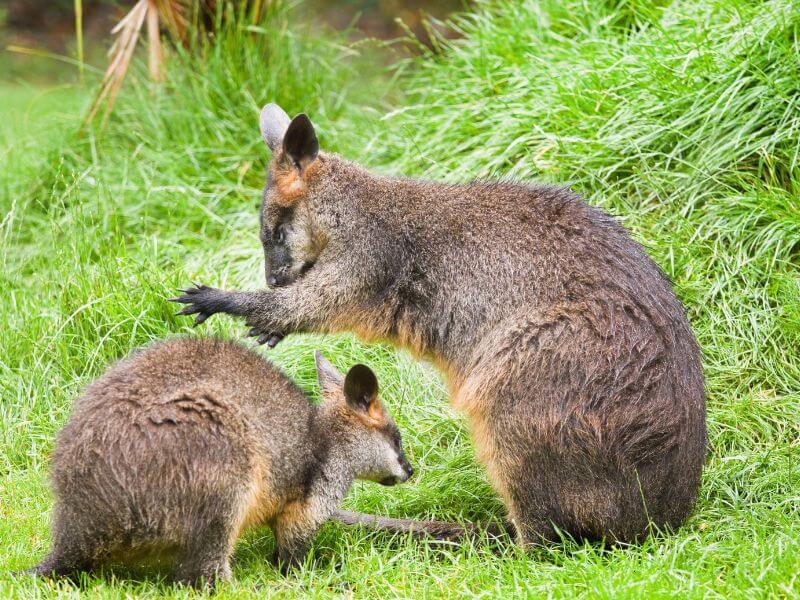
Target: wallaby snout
(407,472)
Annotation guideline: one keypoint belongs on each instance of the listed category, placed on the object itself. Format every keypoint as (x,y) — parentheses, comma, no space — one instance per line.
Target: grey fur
(273,122)
(561,340)
(179,447)
(327,375)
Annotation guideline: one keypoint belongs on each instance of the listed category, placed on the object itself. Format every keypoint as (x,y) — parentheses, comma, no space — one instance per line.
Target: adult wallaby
(560,339)
(177,449)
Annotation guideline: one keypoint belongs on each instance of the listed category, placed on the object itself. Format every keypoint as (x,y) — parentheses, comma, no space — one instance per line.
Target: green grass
(680,118)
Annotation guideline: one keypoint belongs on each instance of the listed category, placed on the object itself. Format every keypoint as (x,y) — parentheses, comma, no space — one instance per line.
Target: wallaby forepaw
(205,579)
(286,562)
(270,338)
(203,301)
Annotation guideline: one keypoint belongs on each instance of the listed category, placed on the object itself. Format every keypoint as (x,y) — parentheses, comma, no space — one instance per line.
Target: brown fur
(561,340)
(176,450)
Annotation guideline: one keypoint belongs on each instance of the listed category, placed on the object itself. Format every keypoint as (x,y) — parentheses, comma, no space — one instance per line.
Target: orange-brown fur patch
(261,503)
(372,327)
(374,418)
(367,325)
(294,517)
(474,394)
(472,398)
(485,449)
(291,184)
(409,337)
(377,414)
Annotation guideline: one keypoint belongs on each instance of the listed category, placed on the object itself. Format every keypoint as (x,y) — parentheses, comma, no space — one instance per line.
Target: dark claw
(253,332)
(199,300)
(273,341)
(263,339)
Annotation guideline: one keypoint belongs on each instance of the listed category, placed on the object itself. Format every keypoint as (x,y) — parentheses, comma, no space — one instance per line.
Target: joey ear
(330,379)
(300,144)
(273,122)
(360,387)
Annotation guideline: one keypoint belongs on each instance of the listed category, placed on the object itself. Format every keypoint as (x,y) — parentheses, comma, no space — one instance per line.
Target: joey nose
(272,280)
(408,470)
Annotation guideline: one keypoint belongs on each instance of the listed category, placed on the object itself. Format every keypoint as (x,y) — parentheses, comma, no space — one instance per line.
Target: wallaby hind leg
(76,546)
(59,565)
(66,559)
(205,558)
(530,513)
(551,492)
(572,496)
(515,471)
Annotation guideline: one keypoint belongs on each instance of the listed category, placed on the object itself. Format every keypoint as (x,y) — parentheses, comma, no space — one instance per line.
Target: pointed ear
(360,388)
(330,379)
(300,144)
(273,122)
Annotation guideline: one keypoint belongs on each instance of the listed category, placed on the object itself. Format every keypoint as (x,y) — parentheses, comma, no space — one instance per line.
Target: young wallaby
(178,448)
(560,339)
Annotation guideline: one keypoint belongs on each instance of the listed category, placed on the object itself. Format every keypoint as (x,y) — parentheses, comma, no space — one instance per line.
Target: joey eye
(280,234)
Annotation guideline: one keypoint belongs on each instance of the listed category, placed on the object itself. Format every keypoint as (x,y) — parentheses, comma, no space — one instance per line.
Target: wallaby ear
(273,122)
(300,143)
(330,379)
(360,388)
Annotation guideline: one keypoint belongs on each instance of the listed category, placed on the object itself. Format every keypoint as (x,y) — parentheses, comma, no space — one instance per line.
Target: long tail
(438,530)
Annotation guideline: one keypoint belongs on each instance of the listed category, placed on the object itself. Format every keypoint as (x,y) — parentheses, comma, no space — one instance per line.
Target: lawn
(682,119)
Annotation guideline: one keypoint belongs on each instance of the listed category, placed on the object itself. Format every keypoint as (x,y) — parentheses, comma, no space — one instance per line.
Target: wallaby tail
(438,530)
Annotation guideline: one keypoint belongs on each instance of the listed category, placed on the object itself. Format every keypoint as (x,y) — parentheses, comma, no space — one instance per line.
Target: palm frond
(172,13)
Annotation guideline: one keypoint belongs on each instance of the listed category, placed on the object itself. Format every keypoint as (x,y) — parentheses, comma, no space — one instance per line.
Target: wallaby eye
(280,234)
(394,439)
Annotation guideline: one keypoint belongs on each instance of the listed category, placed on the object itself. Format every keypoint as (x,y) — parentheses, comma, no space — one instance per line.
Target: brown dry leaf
(171,13)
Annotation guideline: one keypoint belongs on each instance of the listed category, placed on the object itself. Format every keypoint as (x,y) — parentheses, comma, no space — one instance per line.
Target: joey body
(561,341)
(179,448)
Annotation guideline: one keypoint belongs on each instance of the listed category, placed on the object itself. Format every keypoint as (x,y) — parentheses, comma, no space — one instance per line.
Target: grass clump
(678,117)
(654,103)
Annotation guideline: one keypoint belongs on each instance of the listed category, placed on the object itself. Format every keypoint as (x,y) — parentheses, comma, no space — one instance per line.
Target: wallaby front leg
(295,529)
(320,301)
(205,301)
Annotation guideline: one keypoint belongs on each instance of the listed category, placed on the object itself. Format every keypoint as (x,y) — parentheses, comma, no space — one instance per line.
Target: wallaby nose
(409,471)
(272,280)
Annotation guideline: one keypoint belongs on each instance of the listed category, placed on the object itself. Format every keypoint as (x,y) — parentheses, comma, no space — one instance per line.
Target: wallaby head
(370,436)
(292,234)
